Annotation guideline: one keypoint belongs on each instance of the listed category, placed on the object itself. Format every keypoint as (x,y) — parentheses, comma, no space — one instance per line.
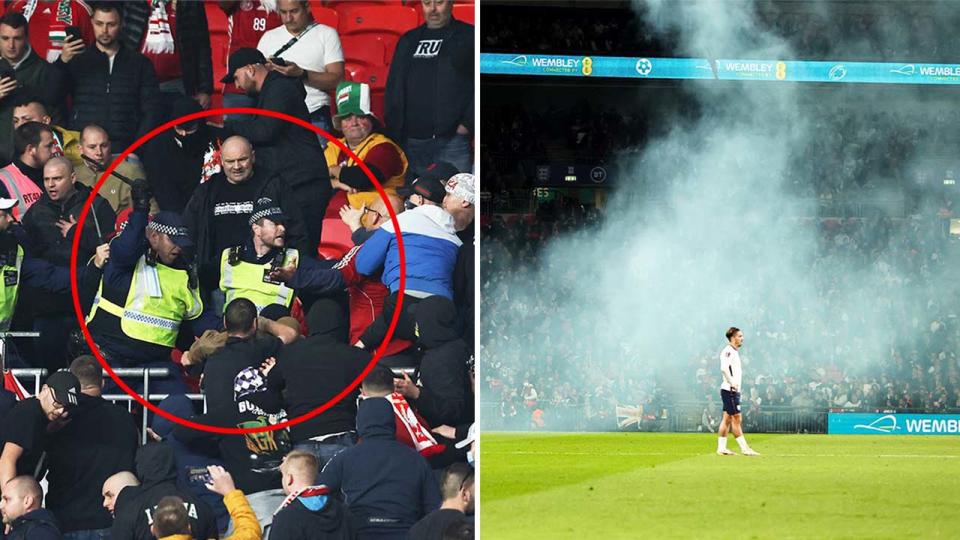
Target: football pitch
(673,485)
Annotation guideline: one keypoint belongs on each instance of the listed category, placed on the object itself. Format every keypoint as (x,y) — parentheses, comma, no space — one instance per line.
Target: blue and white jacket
(430,247)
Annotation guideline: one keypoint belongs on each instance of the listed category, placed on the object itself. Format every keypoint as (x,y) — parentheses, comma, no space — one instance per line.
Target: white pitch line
(904,456)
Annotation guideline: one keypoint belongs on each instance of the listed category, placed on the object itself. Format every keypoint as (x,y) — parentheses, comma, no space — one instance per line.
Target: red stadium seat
(393,19)
(377,99)
(463,12)
(364,50)
(325,15)
(375,76)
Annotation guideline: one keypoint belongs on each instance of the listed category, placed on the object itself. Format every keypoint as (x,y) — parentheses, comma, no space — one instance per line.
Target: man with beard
(245,270)
(179,160)
(95,148)
(287,149)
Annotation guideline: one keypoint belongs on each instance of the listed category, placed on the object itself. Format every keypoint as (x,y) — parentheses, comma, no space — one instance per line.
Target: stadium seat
(463,12)
(325,15)
(375,76)
(393,19)
(364,50)
(336,239)
(377,100)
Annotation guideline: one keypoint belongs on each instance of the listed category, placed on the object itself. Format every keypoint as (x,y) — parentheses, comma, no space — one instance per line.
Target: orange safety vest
(21,187)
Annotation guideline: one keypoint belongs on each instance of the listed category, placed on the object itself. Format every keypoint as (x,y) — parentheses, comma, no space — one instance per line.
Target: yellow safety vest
(160,298)
(357,200)
(249,280)
(11,287)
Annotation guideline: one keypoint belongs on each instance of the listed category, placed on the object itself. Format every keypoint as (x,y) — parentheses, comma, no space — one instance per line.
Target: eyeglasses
(372,211)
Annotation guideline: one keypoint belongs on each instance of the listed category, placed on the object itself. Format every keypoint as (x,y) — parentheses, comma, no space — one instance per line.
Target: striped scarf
(159,37)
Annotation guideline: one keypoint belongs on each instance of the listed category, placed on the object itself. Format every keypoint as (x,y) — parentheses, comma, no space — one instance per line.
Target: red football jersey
(49,20)
(245,27)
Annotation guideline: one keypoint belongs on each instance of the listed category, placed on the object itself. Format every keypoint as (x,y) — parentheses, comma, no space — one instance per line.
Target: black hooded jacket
(387,485)
(135,505)
(38,524)
(309,372)
(445,395)
(312,518)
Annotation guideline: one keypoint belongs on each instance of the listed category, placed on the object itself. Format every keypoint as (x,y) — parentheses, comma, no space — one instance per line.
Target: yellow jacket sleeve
(245,524)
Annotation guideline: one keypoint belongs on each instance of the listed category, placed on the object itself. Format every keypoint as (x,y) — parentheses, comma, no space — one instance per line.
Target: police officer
(265,271)
(148,289)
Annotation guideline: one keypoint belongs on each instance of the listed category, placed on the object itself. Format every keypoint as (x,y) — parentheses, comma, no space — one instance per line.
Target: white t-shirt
(730,368)
(315,49)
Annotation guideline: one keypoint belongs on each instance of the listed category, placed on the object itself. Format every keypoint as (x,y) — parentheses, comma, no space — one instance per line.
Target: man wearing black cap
(147,290)
(26,426)
(246,269)
(179,160)
(290,150)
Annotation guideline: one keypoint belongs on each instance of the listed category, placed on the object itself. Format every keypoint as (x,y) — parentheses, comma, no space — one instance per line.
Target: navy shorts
(731,402)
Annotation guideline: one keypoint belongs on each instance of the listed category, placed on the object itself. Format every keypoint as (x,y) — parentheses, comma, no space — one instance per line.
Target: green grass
(667,485)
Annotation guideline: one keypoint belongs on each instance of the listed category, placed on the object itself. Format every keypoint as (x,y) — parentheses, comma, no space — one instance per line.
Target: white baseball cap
(7,204)
(471,436)
(462,186)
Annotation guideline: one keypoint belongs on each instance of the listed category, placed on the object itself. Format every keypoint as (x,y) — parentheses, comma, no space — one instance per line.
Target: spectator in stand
(22,513)
(51,227)
(429,107)
(95,147)
(309,511)
(412,430)
(175,38)
(26,426)
(49,22)
(247,22)
(297,383)
(456,486)
(27,73)
(245,526)
(31,109)
(387,486)
(310,52)
(135,504)
(360,128)
(444,396)
(180,159)
(114,485)
(99,441)
(22,179)
(115,70)
(283,148)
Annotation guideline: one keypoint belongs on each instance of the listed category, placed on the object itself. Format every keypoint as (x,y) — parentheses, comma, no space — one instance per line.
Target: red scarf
(412,430)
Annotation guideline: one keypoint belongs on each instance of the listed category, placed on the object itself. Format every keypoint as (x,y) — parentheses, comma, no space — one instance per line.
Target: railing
(146,375)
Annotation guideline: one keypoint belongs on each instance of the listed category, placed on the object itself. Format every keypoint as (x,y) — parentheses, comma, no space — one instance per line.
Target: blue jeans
(324,451)
(421,153)
(321,118)
(93,534)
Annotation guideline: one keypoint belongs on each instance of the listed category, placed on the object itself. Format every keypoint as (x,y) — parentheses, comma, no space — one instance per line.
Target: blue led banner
(595,66)
(893,424)
(701,68)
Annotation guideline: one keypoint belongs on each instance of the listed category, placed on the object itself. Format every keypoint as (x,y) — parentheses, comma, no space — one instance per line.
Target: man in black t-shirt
(99,440)
(218,212)
(26,426)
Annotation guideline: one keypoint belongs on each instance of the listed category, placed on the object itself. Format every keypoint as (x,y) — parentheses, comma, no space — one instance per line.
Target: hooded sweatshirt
(135,505)
(387,485)
(445,395)
(309,372)
(312,514)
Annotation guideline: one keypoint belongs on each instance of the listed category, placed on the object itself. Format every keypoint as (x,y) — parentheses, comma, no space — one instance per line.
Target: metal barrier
(147,375)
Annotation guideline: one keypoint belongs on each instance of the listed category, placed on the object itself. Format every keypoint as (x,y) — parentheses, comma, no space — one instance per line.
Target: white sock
(742,442)
(721,444)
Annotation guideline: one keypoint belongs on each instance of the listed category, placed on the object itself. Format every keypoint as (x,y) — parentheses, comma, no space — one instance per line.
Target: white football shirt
(730,368)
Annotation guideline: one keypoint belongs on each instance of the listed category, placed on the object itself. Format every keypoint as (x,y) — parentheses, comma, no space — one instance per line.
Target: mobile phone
(74,32)
(279,61)
(199,475)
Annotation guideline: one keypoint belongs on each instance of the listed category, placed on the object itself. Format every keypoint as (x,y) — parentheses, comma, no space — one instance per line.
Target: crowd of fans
(894,32)
(572,381)
(254,260)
